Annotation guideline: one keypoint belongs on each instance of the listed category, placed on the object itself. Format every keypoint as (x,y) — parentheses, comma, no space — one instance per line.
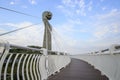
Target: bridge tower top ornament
(47,15)
(47,42)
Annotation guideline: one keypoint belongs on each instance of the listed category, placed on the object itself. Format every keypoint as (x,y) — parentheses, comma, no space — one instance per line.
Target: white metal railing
(107,61)
(29,66)
(114,49)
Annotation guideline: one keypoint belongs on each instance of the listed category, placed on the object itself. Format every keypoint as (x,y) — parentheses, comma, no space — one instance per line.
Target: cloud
(71,7)
(107,24)
(104,31)
(24,6)
(68,32)
(104,8)
(70,3)
(102,28)
(34,36)
(90,6)
(107,29)
(9,24)
(101,0)
(33,2)
(64,36)
(12,3)
(111,14)
(28,36)
(19,2)
(82,6)
(65,10)
(2,30)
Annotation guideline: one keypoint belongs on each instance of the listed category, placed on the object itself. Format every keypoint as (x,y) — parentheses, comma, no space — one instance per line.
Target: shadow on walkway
(78,70)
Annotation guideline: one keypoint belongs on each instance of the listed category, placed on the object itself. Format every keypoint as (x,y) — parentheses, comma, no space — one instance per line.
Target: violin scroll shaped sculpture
(47,15)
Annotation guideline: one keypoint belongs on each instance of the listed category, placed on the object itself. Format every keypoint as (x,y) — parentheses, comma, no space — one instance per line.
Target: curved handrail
(27,65)
(113,49)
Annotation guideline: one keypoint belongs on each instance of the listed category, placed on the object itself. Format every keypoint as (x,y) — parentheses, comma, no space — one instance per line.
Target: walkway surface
(78,70)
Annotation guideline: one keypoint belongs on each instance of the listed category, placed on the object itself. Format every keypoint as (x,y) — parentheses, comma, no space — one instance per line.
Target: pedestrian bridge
(107,63)
(40,64)
(26,63)
(35,64)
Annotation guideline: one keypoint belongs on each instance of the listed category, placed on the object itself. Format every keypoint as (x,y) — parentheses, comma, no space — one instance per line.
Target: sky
(79,26)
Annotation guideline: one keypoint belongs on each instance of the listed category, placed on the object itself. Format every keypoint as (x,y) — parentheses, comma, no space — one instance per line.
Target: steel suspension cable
(54,38)
(18,29)
(60,40)
(18,12)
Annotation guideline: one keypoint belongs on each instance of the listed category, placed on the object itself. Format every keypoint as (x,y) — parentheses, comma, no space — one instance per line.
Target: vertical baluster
(34,68)
(12,70)
(5,72)
(23,69)
(4,55)
(39,67)
(31,66)
(28,61)
(18,67)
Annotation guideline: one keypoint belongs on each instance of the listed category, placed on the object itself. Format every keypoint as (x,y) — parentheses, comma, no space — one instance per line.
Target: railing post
(3,55)
(58,53)
(112,49)
(45,53)
(100,52)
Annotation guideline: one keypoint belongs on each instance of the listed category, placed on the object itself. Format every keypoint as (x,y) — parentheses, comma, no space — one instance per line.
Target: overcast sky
(80,26)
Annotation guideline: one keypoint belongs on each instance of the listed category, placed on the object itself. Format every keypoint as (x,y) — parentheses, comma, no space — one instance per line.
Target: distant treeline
(20,50)
(30,51)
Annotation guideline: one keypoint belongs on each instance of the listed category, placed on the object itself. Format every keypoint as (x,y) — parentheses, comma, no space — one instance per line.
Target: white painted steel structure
(107,62)
(29,66)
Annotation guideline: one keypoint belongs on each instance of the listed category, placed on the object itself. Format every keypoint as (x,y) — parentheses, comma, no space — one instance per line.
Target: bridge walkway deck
(78,70)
